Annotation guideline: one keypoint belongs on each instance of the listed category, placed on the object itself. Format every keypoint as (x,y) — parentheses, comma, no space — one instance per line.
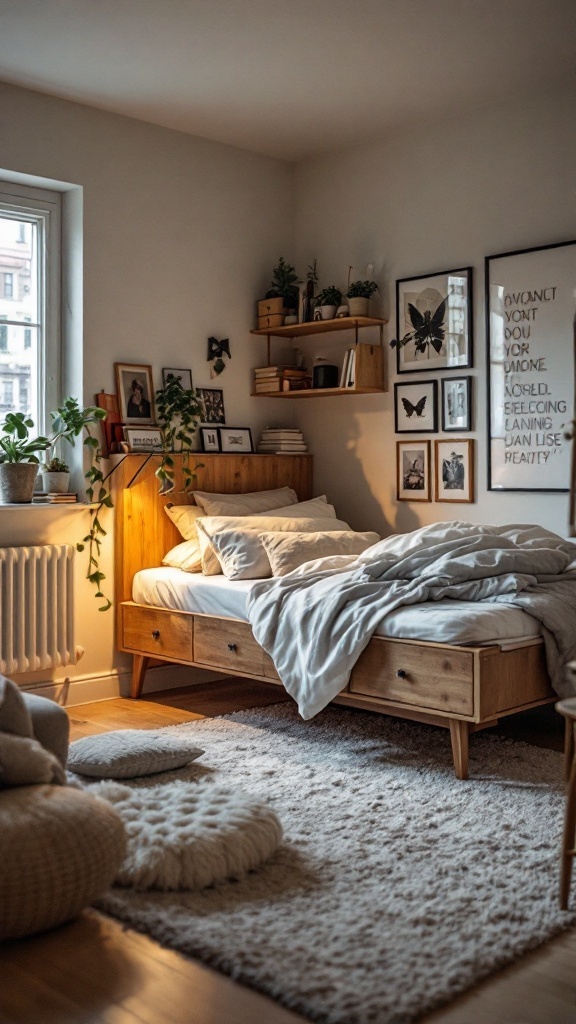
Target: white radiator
(36,608)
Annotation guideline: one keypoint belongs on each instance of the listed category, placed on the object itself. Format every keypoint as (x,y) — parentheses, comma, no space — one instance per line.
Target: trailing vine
(179,411)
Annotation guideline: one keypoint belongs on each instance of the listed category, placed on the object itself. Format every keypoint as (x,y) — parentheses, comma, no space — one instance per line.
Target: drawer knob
(232,647)
(401,673)
(156,634)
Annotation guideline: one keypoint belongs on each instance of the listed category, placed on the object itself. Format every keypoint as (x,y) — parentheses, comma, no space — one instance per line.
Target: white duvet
(316,621)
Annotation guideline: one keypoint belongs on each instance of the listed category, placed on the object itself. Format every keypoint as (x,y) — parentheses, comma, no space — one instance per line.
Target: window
(30,312)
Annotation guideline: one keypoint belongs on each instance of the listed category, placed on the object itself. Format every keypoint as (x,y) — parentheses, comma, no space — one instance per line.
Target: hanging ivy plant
(179,411)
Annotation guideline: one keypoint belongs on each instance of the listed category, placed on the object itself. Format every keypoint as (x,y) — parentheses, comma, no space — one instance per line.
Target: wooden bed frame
(463,689)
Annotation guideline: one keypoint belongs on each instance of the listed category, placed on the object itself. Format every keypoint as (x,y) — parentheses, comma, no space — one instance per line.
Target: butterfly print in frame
(416,407)
(434,321)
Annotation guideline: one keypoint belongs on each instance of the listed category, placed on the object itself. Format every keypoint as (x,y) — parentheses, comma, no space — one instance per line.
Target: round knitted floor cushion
(186,835)
(60,848)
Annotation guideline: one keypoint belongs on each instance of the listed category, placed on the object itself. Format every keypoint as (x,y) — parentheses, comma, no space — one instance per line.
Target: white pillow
(184,556)
(234,546)
(128,753)
(244,504)
(287,552)
(305,509)
(184,518)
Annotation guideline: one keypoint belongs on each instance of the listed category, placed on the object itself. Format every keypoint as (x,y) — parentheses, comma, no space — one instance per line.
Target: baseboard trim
(89,688)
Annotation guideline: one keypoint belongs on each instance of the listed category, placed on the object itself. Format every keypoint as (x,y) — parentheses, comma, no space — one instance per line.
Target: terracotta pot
(17,482)
(358,305)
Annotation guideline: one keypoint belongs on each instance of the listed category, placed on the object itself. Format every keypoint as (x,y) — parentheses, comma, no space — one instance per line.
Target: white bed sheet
(446,622)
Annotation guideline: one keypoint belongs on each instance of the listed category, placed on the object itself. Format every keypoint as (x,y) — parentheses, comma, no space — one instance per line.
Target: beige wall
(433,197)
(180,235)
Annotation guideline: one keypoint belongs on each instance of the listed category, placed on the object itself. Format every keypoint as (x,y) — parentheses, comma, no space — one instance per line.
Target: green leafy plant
(361,290)
(312,275)
(331,296)
(284,284)
(179,411)
(16,445)
(55,466)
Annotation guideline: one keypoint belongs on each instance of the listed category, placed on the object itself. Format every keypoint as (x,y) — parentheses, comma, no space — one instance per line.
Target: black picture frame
(212,400)
(455,389)
(210,439)
(236,440)
(426,293)
(185,376)
(416,407)
(529,301)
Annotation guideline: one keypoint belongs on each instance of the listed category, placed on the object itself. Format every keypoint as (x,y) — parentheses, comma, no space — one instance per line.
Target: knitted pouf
(60,848)
(186,835)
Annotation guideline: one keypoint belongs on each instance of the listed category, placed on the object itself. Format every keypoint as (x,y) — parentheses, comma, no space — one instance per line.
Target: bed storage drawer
(162,634)
(438,678)
(227,643)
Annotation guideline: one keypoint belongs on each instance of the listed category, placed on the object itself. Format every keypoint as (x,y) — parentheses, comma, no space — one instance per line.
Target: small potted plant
(55,476)
(327,301)
(19,459)
(281,297)
(359,294)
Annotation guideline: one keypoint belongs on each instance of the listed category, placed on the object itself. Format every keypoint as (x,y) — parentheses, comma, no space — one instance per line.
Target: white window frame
(44,207)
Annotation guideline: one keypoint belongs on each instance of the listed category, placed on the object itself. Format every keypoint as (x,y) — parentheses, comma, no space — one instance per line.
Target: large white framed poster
(530,305)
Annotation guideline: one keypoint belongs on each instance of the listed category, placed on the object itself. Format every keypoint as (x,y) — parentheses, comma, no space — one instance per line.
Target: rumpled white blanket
(316,621)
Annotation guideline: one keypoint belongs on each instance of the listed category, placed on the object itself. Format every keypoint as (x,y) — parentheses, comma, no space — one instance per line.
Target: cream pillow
(234,546)
(184,518)
(287,552)
(305,509)
(244,504)
(129,753)
(184,556)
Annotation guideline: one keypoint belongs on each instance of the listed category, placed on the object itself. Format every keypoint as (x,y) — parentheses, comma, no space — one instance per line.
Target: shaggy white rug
(397,886)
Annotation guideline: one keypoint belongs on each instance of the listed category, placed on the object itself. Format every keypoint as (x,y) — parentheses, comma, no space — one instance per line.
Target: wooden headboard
(143,531)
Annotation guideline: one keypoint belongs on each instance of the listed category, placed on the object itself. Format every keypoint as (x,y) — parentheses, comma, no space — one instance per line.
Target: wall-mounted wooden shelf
(344,323)
(319,393)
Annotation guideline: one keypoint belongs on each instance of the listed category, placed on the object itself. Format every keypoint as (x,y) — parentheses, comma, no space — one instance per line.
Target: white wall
(427,198)
(180,235)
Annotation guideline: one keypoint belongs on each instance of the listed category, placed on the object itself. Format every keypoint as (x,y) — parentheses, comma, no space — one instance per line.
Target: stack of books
(282,440)
(53,498)
(268,379)
(348,375)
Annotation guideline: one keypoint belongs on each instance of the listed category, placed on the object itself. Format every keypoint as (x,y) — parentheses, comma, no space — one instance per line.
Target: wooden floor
(93,971)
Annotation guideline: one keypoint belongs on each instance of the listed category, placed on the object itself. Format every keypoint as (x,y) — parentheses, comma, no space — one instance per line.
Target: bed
(486,666)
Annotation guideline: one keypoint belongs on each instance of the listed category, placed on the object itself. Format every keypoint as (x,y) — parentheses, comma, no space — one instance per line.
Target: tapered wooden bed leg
(459,735)
(139,666)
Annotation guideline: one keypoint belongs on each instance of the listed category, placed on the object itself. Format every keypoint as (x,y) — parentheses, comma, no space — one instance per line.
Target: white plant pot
(327,312)
(358,305)
(56,483)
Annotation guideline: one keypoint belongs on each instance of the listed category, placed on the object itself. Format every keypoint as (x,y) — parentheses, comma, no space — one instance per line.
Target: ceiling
(289,78)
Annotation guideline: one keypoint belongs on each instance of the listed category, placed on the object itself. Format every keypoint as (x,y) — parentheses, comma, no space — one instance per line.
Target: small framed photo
(143,439)
(455,470)
(434,321)
(213,401)
(416,407)
(135,393)
(235,439)
(210,439)
(413,471)
(456,403)
(184,376)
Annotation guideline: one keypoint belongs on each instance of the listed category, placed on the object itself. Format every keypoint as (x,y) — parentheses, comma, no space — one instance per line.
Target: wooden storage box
(268,307)
(273,320)
(369,366)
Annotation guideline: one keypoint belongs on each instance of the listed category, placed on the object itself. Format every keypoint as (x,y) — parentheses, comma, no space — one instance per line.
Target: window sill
(72,506)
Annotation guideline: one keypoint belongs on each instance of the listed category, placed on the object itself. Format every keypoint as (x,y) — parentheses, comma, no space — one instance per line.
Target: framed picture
(415,407)
(143,439)
(530,339)
(135,393)
(434,321)
(210,439)
(413,471)
(454,470)
(235,439)
(184,376)
(213,401)
(456,403)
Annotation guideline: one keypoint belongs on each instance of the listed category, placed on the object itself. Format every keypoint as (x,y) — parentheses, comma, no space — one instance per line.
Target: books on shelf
(282,441)
(268,379)
(348,374)
(53,498)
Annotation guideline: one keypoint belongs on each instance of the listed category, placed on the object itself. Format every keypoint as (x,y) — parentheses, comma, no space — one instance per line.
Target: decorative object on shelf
(212,401)
(413,472)
(324,374)
(55,476)
(235,439)
(135,393)
(456,403)
(530,337)
(179,413)
(307,294)
(359,294)
(271,379)
(284,285)
(184,376)
(342,312)
(143,439)
(290,319)
(416,407)
(454,470)
(217,349)
(434,321)
(110,405)
(327,301)
(210,439)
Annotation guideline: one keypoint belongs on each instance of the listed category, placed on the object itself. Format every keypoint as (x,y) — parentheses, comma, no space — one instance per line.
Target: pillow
(304,509)
(184,556)
(288,551)
(128,753)
(244,504)
(233,546)
(184,518)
